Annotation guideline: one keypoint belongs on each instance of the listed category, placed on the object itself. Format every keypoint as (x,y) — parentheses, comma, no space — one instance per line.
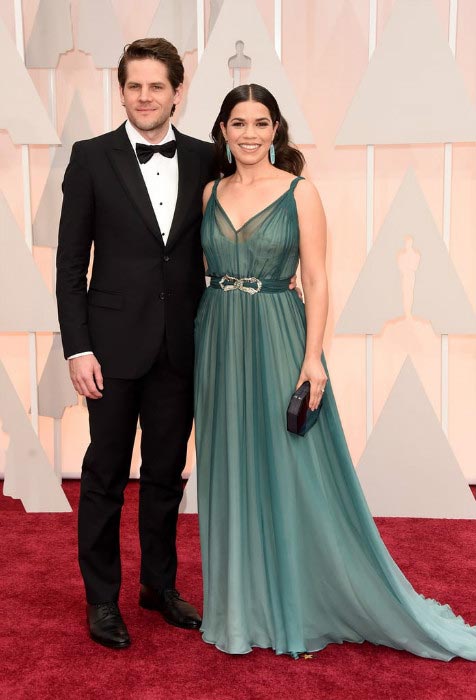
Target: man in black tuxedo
(135,194)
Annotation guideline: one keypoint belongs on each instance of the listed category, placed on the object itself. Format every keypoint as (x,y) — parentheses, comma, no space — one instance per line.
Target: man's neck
(153,136)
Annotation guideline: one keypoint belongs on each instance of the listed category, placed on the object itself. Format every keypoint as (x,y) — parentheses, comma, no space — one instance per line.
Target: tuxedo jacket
(142,292)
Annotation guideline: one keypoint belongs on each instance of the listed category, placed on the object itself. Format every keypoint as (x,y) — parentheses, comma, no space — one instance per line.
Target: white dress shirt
(161,179)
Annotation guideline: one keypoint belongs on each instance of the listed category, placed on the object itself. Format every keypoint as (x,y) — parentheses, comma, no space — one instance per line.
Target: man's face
(148,96)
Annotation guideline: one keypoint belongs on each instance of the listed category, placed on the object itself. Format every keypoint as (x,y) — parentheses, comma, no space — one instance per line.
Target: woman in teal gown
(292,559)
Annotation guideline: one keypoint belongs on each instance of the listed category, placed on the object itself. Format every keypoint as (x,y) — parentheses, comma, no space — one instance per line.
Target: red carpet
(45,651)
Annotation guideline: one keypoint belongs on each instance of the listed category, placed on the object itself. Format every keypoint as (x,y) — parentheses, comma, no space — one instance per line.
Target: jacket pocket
(109,300)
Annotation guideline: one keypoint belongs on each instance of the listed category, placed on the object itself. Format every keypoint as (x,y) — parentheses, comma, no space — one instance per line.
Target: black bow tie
(145,152)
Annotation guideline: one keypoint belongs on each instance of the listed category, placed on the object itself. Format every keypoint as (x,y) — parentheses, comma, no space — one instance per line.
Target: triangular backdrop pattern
(55,390)
(177,22)
(22,113)
(408,469)
(330,79)
(27,305)
(51,36)
(99,33)
(438,295)
(215,9)
(239,22)
(28,474)
(413,90)
(45,225)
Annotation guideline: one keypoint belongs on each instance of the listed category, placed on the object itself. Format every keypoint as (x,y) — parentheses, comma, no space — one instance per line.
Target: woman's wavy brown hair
(288,157)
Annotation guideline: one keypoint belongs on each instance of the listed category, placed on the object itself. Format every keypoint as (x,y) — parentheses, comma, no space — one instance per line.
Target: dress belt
(250,285)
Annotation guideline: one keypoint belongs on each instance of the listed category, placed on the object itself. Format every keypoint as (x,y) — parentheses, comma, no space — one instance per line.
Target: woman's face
(249,132)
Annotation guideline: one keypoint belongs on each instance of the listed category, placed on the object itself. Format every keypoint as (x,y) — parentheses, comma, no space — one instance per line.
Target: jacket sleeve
(76,233)
(213,166)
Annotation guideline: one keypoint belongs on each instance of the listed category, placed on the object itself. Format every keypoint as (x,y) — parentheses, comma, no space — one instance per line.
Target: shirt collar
(135,137)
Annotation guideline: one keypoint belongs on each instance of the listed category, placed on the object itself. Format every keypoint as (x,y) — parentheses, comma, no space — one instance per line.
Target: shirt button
(166,258)
(162,296)
(160,203)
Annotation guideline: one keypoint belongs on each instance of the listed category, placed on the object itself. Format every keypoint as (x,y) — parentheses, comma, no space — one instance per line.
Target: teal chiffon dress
(292,559)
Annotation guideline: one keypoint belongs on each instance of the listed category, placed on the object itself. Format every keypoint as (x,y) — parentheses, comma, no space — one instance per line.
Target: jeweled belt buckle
(228,284)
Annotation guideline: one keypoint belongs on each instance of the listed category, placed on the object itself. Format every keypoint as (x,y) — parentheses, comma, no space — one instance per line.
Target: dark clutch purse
(299,417)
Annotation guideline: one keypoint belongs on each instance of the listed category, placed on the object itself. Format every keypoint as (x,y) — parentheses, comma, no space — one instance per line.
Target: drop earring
(272,154)
(228,153)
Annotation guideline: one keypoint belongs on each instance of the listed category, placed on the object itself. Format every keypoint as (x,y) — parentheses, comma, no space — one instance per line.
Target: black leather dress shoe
(174,609)
(106,626)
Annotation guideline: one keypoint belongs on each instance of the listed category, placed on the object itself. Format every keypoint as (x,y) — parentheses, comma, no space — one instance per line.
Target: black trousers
(163,402)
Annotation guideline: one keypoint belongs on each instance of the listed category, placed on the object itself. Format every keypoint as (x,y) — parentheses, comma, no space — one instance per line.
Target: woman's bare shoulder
(308,200)
(306,188)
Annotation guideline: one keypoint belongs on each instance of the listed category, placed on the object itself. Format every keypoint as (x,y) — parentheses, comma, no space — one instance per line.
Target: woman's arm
(312,252)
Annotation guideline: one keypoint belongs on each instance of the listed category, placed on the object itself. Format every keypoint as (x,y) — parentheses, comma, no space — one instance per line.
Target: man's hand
(293,286)
(85,373)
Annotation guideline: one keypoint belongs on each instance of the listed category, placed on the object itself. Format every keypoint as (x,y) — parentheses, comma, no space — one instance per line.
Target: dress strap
(293,184)
(215,185)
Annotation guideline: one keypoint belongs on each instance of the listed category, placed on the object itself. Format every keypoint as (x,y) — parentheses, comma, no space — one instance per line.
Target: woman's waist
(248,284)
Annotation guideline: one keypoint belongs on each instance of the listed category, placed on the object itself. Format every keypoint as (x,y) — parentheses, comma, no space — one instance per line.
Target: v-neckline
(248,221)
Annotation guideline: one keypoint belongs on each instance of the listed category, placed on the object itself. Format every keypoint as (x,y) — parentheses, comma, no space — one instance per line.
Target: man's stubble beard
(151,127)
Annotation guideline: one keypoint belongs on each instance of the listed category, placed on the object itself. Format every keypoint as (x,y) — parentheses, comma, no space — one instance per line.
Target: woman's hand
(293,286)
(313,371)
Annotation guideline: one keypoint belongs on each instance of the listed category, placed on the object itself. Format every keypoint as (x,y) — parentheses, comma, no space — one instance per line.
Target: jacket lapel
(188,179)
(127,168)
